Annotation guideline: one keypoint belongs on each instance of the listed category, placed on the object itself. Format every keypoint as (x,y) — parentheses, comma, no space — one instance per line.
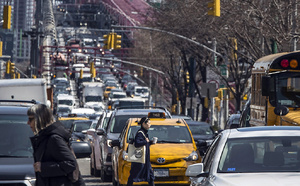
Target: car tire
(114,182)
(91,168)
(104,176)
(97,173)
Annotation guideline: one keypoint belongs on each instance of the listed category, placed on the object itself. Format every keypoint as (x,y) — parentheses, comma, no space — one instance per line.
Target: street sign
(208,90)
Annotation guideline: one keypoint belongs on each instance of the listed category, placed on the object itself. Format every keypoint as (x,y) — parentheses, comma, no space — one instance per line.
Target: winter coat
(142,172)
(51,148)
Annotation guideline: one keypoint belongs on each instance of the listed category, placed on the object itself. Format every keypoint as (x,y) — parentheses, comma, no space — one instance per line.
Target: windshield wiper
(166,141)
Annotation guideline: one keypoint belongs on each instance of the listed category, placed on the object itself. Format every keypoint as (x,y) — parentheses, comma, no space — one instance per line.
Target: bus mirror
(265,85)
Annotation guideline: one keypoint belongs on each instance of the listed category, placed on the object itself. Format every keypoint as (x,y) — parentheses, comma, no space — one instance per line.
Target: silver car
(251,156)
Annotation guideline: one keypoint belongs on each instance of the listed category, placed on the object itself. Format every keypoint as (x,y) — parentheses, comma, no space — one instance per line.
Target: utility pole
(294,26)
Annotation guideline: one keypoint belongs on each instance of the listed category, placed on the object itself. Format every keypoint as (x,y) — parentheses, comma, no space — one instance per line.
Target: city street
(84,166)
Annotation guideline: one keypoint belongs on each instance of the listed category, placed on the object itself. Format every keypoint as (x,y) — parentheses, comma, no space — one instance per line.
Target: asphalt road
(84,166)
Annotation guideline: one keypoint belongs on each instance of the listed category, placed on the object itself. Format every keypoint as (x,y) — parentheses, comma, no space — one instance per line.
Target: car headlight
(109,143)
(74,138)
(31,180)
(192,157)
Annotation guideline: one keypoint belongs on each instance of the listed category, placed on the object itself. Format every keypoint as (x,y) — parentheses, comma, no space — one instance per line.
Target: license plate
(161,172)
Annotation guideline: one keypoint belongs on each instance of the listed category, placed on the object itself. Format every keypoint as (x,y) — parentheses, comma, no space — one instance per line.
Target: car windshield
(201,130)
(67,123)
(65,102)
(64,109)
(261,154)
(15,136)
(164,133)
(80,126)
(119,122)
(93,98)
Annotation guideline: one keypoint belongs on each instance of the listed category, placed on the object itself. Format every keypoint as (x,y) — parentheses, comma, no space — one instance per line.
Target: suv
(111,131)
(170,156)
(16,152)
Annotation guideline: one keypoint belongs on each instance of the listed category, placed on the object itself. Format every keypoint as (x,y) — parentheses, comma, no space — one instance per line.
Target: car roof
(159,121)
(136,111)
(14,110)
(191,122)
(264,131)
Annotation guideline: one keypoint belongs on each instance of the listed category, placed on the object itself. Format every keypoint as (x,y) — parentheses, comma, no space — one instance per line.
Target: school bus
(275,92)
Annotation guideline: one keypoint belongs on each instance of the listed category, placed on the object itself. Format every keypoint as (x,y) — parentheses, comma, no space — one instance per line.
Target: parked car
(16,152)
(111,131)
(267,155)
(174,151)
(203,134)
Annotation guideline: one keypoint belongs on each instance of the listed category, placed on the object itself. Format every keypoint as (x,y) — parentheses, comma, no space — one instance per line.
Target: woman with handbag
(54,162)
(142,172)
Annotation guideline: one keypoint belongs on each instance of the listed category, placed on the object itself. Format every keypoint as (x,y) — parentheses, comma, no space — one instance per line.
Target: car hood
(202,137)
(16,168)
(113,136)
(167,151)
(274,179)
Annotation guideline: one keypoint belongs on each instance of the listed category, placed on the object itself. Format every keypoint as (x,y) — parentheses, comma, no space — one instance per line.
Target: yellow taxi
(68,120)
(107,91)
(174,151)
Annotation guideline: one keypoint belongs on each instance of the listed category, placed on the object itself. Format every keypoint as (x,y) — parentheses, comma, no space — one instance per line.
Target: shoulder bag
(137,154)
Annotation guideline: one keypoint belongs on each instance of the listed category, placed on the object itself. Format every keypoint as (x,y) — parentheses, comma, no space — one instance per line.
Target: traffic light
(117,41)
(234,48)
(8,67)
(81,74)
(107,41)
(6,16)
(12,70)
(187,77)
(214,8)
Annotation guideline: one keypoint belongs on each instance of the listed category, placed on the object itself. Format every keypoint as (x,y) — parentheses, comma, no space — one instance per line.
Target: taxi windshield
(164,133)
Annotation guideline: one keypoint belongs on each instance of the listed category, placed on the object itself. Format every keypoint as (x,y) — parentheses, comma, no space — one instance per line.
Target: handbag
(74,176)
(137,154)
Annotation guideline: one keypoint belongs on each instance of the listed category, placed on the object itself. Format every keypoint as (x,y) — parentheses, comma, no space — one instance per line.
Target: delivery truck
(25,89)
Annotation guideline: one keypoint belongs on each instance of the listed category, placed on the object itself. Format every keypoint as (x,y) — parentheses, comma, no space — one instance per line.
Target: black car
(79,139)
(16,152)
(203,134)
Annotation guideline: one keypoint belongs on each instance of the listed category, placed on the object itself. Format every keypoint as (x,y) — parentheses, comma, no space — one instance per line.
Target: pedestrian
(142,172)
(54,161)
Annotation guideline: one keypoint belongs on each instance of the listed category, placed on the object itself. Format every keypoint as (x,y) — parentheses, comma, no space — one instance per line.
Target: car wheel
(115,182)
(104,176)
(91,168)
(97,173)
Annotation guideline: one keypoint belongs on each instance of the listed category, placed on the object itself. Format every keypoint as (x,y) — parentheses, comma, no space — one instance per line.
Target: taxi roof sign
(156,115)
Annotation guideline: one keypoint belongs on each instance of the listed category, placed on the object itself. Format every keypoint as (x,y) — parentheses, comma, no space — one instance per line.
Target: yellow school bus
(275,92)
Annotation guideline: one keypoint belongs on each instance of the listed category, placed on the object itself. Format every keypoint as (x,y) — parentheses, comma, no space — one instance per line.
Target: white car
(257,156)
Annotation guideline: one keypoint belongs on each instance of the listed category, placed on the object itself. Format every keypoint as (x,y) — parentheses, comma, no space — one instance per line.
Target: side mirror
(91,131)
(115,143)
(195,170)
(100,131)
(201,143)
(265,85)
